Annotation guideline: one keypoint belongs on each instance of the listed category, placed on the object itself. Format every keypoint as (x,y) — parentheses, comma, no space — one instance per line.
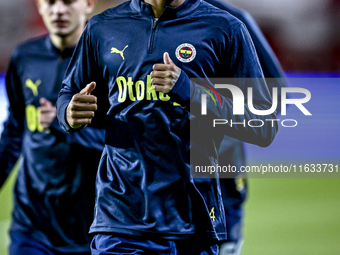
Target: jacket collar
(171,12)
(66,53)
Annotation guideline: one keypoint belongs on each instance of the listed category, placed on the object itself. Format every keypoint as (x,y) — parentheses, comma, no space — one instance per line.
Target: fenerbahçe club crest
(185,52)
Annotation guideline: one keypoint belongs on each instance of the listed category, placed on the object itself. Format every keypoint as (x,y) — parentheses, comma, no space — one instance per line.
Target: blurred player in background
(55,187)
(231,151)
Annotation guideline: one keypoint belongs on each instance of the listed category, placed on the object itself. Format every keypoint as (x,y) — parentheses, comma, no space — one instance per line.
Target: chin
(62,32)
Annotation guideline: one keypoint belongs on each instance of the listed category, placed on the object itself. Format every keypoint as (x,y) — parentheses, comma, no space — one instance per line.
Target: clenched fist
(82,107)
(164,76)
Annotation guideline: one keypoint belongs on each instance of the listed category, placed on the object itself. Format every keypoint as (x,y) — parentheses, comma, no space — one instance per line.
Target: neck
(158,6)
(62,42)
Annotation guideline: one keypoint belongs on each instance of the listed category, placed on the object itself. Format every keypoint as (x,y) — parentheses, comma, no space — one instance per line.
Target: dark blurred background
(305,35)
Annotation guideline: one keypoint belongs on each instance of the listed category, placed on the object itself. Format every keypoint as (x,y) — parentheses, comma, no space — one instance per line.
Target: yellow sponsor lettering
(163,97)
(137,90)
(150,90)
(32,119)
(130,85)
(39,126)
(121,82)
(140,89)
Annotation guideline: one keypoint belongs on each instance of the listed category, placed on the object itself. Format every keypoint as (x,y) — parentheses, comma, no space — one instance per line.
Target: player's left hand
(164,76)
(48,113)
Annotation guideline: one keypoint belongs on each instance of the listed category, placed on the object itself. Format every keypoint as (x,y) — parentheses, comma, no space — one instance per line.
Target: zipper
(59,77)
(154,24)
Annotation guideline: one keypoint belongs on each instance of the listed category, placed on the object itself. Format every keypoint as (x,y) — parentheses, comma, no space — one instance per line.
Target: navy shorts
(114,245)
(234,242)
(23,244)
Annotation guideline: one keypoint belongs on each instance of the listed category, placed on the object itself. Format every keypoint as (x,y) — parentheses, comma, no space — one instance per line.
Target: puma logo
(115,50)
(33,86)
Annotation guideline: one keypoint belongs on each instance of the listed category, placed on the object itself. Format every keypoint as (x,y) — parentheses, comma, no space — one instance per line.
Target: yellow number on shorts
(240,184)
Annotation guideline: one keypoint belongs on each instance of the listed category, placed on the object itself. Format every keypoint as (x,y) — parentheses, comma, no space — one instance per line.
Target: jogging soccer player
(55,187)
(147,201)
(231,151)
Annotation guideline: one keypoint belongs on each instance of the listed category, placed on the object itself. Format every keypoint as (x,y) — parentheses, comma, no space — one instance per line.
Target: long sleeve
(11,137)
(244,67)
(80,72)
(271,67)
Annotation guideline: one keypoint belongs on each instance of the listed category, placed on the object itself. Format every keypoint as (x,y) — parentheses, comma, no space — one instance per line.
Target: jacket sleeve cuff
(182,91)
(61,114)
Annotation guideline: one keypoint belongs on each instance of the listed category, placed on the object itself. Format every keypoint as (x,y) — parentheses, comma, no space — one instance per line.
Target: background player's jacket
(54,191)
(144,183)
(231,152)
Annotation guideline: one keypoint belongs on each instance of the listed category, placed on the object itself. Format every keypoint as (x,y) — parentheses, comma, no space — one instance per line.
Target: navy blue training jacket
(144,183)
(231,151)
(55,187)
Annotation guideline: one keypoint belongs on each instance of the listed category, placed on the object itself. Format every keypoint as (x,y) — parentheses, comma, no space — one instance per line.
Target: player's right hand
(82,107)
